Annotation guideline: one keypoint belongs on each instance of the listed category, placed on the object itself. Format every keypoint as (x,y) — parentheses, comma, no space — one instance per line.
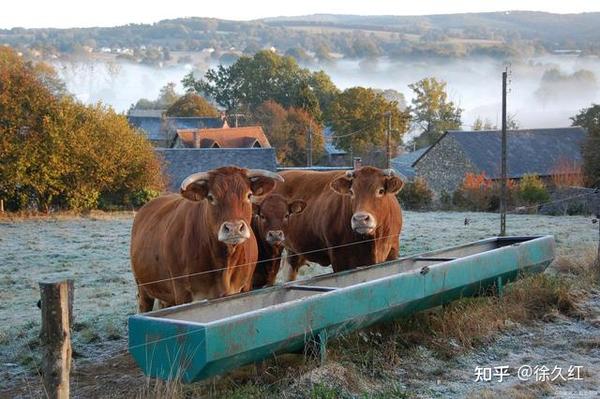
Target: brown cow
(198,244)
(354,215)
(269,223)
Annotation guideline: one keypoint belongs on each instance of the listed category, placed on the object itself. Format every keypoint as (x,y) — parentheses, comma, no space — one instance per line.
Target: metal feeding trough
(202,339)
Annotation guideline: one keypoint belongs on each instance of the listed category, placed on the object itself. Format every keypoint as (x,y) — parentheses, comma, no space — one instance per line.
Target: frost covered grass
(94,251)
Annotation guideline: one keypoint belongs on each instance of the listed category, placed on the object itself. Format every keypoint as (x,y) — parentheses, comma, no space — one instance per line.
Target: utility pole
(388,151)
(309,161)
(504,173)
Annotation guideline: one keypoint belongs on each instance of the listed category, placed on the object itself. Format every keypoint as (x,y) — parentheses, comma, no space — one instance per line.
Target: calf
(269,223)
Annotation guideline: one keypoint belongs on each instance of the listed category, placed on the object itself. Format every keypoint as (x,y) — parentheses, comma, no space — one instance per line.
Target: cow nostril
(226,228)
(242,227)
(366,218)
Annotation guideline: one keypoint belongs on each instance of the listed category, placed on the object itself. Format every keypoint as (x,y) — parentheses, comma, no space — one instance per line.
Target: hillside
(324,37)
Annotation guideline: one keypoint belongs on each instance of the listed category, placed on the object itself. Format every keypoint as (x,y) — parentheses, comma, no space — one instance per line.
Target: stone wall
(444,166)
(178,163)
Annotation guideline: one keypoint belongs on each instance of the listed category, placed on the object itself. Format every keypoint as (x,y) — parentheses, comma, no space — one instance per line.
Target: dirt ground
(94,252)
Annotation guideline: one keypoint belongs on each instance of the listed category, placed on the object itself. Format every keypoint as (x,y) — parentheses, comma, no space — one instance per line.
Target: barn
(531,151)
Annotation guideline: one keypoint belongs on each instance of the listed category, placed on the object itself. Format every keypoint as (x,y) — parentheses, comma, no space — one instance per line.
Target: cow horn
(392,172)
(253,173)
(193,178)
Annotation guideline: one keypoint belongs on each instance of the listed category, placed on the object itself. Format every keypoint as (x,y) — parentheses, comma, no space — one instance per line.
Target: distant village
(192,144)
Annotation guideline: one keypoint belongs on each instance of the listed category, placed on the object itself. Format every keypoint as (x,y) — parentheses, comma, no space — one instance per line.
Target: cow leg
(145,301)
(296,262)
(393,254)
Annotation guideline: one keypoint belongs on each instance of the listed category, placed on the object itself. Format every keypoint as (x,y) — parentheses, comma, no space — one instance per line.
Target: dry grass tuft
(582,266)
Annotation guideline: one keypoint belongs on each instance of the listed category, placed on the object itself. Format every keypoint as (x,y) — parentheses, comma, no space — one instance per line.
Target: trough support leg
(322,346)
(499,287)
(316,348)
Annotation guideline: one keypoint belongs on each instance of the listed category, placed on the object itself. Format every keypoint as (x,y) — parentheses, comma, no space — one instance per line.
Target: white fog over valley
(473,83)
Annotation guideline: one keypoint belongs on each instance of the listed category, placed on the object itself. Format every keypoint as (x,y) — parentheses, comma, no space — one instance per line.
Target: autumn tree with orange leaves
(56,153)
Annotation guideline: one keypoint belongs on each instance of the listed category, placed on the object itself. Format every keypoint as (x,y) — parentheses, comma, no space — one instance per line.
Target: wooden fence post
(1,206)
(57,310)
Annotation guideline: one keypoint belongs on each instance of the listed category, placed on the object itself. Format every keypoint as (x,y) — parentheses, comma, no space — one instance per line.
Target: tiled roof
(157,128)
(235,137)
(178,163)
(528,151)
(151,125)
(403,163)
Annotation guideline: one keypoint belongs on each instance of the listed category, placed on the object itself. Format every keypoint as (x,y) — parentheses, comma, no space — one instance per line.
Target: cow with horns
(198,244)
(351,219)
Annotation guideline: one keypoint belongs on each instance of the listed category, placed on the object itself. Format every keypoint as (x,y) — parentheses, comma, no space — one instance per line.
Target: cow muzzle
(363,223)
(234,233)
(275,237)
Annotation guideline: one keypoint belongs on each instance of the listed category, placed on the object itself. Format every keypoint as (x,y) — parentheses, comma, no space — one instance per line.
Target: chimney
(357,163)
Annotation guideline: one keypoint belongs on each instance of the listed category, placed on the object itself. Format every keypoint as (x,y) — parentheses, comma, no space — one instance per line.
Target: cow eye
(381,191)
(286,217)
(210,198)
(249,195)
(351,192)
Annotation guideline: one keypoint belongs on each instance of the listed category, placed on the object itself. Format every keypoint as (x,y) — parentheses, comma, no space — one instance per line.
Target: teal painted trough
(202,339)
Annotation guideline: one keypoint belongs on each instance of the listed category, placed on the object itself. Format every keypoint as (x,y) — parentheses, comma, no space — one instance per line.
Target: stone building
(178,163)
(531,151)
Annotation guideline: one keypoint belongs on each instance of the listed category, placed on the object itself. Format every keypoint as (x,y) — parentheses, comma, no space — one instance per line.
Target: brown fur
(174,245)
(272,213)
(325,222)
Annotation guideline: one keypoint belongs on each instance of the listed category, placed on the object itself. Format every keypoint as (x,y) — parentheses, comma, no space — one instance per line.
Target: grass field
(95,253)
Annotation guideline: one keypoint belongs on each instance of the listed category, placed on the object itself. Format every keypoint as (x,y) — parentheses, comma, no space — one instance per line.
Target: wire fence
(124,350)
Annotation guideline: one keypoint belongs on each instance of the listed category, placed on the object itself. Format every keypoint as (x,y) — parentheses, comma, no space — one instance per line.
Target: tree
(56,152)
(480,124)
(393,95)
(431,110)
(166,97)
(589,118)
(24,103)
(192,104)
(359,122)
(287,130)
(250,81)
(99,157)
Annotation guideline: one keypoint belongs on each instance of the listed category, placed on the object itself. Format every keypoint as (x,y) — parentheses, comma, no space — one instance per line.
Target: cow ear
(196,191)
(393,184)
(296,206)
(261,185)
(341,185)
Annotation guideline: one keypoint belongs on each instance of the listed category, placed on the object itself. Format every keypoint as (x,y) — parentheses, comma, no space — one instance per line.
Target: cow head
(368,188)
(228,192)
(272,215)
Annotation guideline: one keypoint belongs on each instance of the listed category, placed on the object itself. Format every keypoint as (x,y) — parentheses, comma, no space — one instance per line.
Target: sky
(82,13)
